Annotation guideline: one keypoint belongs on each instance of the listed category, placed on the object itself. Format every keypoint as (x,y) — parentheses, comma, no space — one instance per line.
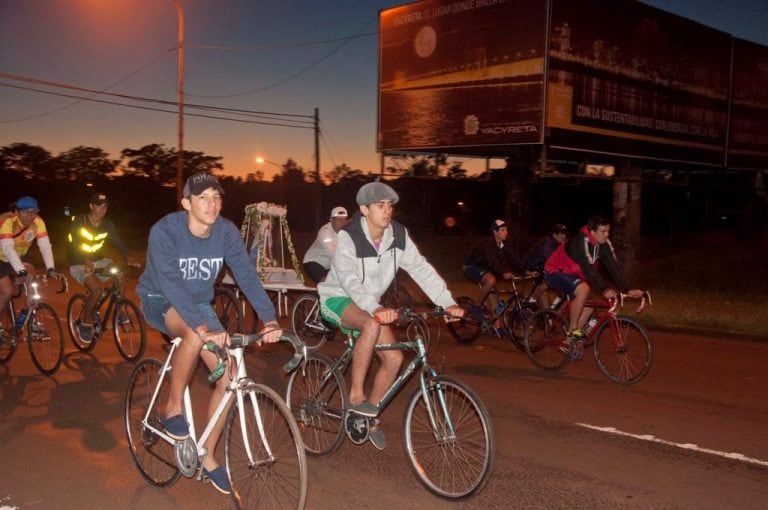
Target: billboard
(748,130)
(626,78)
(461,76)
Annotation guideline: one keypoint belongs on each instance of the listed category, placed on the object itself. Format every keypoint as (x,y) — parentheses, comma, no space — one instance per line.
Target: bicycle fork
(442,429)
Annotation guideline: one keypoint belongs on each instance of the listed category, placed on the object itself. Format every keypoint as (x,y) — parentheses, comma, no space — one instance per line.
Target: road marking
(684,446)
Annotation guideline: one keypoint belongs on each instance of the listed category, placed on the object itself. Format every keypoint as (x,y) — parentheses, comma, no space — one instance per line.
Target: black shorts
(315,271)
(6,269)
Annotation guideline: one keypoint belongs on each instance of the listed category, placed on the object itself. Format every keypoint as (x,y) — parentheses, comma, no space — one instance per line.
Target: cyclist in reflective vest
(88,235)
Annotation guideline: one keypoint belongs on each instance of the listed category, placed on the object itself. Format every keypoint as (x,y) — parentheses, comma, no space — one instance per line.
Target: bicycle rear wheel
(516,323)
(75,313)
(307,321)
(152,454)
(544,339)
(228,310)
(455,459)
(623,350)
(317,397)
(277,477)
(129,330)
(45,338)
(467,329)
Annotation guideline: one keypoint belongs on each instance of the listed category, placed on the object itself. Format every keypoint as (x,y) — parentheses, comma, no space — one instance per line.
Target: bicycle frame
(235,388)
(418,362)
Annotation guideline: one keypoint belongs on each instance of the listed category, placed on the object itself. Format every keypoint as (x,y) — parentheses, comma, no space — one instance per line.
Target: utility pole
(319,184)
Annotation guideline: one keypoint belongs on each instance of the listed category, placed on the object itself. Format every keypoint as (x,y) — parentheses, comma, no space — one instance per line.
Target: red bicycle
(623,349)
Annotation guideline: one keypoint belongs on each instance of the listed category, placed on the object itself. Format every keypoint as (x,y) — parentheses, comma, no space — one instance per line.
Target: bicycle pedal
(356,427)
(577,350)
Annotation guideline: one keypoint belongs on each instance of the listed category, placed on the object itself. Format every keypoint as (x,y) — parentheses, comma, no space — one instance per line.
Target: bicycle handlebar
(619,301)
(239,340)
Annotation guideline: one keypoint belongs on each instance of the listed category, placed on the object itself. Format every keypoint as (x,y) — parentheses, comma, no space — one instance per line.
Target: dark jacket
(579,255)
(539,253)
(488,256)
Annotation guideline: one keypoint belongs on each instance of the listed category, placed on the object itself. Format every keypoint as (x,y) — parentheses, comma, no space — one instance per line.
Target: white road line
(684,446)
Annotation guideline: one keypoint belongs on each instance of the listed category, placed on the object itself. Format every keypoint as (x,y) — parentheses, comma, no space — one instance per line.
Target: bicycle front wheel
(75,314)
(454,457)
(152,454)
(467,329)
(45,338)
(8,339)
(516,322)
(228,310)
(129,330)
(623,350)
(264,453)
(307,322)
(317,397)
(544,339)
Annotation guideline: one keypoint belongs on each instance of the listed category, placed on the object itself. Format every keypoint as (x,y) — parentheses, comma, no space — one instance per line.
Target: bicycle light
(35,291)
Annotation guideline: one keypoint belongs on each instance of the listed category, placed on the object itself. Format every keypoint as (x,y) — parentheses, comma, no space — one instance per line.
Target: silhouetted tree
(29,161)
(159,163)
(85,163)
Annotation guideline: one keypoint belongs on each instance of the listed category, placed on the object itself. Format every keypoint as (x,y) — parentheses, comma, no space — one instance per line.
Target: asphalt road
(691,435)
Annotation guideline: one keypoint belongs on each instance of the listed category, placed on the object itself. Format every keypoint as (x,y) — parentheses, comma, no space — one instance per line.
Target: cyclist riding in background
(317,260)
(88,234)
(572,270)
(369,251)
(534,260)
(491,260)
(18,230)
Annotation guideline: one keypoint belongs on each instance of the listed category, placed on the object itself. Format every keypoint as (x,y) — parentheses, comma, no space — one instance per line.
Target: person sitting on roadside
(534,260)
(369,251)
(492,260)
(571,269)
(18,230)
(88,235)
(317,260)
(185,253)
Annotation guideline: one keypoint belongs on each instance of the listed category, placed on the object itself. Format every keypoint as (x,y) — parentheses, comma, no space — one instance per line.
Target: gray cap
(375,192)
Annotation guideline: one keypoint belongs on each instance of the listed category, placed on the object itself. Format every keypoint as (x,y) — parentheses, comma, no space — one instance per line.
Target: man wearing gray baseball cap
(369,251)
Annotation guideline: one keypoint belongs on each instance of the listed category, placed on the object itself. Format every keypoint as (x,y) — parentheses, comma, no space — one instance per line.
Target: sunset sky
(278,56)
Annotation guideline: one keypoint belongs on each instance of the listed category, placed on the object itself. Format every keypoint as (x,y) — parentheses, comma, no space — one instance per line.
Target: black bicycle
(127,323)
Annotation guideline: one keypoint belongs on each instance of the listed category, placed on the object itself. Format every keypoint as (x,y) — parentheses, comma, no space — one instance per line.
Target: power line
(114,103)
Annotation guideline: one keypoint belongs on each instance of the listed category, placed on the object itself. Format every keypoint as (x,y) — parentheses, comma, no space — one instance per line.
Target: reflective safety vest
(89,240)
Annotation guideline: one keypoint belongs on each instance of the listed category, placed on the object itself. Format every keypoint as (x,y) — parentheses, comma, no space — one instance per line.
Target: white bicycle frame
(236,387)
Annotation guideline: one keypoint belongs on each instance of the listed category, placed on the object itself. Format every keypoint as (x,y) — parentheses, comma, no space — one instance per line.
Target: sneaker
(176,427)
(219,479)
(366,409)
(576,337)
(377,437)
(85,331)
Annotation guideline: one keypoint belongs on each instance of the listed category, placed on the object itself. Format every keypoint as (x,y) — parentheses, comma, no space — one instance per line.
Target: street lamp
(180,155)
(260,161)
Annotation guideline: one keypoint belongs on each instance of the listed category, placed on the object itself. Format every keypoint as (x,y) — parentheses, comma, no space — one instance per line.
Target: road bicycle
(113,311)
(622,347)
(263,450)
(449,440)
(513,312)
(38,324)
(308,323)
